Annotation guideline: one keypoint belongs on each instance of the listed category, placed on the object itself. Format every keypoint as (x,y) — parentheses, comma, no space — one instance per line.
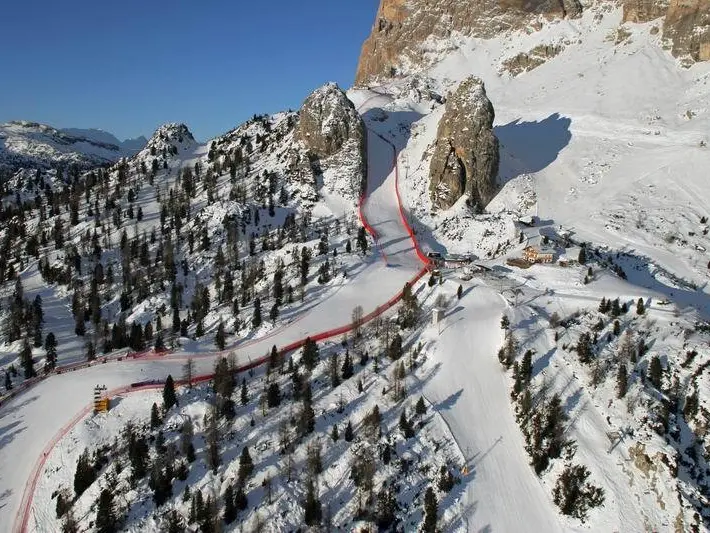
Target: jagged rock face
(333,133)
(686,24)
(644,10)
(401,26)
(465,159)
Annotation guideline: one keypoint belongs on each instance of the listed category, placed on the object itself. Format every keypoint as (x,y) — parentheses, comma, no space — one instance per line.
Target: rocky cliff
(686,25)
(465,159)
(401,26)
(333,134)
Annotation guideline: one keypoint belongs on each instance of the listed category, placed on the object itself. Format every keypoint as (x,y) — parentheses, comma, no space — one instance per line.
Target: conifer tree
(430,511)
(105,514)
(310,354)
(154,416)
(334,433)
(230,511)
(640,308)
(256,317)
(349,432)
(243,394)
(622,378)
(246,466)
(312,507)
(84,475)
(169,397)
(220,336)
(655,372)
(347,368)
(26,360)
(420,408)
(50,345)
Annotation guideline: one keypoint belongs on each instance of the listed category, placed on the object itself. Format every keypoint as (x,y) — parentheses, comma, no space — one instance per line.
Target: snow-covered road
(29,421)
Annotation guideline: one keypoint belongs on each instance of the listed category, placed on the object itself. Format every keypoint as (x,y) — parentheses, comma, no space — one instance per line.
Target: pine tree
(459,292)
(220,337)
(420,408)
(213,457)
(84,475)
(273,395)
(246,466)
(50,345)
(28,364)
(349,432)
(155,420)
(655,372)
(312,507)
(430,511)
(8,381)
(243,395)
(240,498)
(334,433)
(169,397)
(574,495)
(230,511)
(310,354)
(347,369)
(256,317)
(105,514)
(362,239)
(394,351)
(406,426)
(386,510)
(334,373)
(640,308)
(622,378)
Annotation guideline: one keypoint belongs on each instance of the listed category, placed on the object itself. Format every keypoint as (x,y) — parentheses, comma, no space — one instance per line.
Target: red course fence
(23,514)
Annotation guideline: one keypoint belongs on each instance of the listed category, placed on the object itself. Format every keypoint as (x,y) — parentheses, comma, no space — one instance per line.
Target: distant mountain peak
(27,144)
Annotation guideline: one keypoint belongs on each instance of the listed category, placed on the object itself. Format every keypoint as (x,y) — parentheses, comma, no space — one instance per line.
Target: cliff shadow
(527,147)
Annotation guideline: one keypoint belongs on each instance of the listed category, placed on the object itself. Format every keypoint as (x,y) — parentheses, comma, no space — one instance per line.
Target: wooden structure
(534,255)
(101,399)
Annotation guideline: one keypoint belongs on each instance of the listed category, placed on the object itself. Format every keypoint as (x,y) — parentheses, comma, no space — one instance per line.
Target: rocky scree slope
(465,159)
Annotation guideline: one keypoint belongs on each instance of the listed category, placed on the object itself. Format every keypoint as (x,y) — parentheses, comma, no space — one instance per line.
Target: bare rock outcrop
(686,26)
(401,26)
(465,159)
(334,136)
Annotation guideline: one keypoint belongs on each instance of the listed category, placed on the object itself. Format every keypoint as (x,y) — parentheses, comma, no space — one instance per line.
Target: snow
(34,418)
(29,143)
(602,141)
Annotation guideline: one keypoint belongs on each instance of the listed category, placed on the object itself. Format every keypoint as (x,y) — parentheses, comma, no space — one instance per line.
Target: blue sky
(127,67)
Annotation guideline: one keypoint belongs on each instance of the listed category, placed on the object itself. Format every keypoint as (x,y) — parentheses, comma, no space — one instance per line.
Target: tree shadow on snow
(528,147)
(449,402)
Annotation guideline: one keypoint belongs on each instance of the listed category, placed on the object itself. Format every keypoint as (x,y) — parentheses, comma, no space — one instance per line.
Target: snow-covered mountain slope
(603,142)
(32,145)
(607,139)
(263,145)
